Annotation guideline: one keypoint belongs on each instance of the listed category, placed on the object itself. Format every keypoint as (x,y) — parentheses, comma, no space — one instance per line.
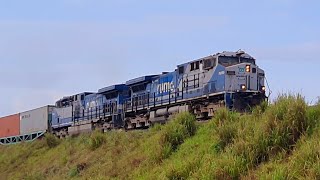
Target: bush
(51,140)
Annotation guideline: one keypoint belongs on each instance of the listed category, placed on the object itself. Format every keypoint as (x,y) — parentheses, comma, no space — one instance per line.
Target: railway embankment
(277,141)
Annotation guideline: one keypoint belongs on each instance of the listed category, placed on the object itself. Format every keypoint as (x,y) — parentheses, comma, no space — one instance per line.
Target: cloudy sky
(53,48)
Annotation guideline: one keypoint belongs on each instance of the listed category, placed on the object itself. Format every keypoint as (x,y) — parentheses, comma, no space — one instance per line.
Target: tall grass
(96,140)
(254,140)
(51,140)
(276,141)
(173,134)
(304,160)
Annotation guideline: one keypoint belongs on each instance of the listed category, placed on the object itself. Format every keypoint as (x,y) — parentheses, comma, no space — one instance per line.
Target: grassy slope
(279,141)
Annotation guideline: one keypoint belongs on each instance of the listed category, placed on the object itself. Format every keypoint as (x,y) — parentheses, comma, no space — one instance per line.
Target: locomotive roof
(140,79)
(224,53)
(117,87)
(235,54)
(68,97)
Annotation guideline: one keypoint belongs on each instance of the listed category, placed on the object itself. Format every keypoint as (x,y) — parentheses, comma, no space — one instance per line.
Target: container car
(37,120)
(10,126)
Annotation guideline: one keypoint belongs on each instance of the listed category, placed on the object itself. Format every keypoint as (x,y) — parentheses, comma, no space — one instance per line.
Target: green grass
(278,141)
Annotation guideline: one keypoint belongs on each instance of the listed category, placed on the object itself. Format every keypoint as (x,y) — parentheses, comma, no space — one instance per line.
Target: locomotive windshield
(230,61)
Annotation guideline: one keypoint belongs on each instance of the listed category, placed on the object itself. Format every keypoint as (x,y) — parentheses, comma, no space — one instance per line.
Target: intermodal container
(37,120)
(10,126)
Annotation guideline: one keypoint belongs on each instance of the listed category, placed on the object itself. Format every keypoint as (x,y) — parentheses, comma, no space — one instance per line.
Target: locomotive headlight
(263,88)
(247,68)
(243,87)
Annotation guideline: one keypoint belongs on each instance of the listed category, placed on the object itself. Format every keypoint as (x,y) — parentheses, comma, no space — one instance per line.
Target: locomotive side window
(246,60)
(195,66)
(209,63)
(228,61)
(254,70)
(181,70)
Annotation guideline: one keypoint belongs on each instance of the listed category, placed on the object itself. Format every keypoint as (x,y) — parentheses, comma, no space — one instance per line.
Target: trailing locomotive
(227,79)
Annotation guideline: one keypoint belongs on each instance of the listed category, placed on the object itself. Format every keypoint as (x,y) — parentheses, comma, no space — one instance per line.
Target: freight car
(228,79)
(26,126)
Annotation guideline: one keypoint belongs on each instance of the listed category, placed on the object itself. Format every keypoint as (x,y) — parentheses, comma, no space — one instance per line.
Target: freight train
(227,79)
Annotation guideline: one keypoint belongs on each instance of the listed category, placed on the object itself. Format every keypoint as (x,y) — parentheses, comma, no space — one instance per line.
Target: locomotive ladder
(21,138)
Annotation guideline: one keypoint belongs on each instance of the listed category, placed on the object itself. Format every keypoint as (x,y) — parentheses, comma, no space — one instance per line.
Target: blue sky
(49,49)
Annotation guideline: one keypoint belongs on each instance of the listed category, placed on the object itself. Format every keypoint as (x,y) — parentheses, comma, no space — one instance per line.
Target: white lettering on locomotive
(165,87)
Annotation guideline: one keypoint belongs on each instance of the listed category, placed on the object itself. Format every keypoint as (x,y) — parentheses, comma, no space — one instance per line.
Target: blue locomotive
(227,79)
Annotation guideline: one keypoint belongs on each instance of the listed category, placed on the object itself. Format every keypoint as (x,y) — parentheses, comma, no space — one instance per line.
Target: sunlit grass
(277,141)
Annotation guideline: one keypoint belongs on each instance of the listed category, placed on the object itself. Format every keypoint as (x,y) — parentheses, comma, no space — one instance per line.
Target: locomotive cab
(242,73)
(244,80)
(112,98)
(67,110)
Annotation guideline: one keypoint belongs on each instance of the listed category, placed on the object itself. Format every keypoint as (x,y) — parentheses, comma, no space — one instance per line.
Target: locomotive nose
(242,77)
